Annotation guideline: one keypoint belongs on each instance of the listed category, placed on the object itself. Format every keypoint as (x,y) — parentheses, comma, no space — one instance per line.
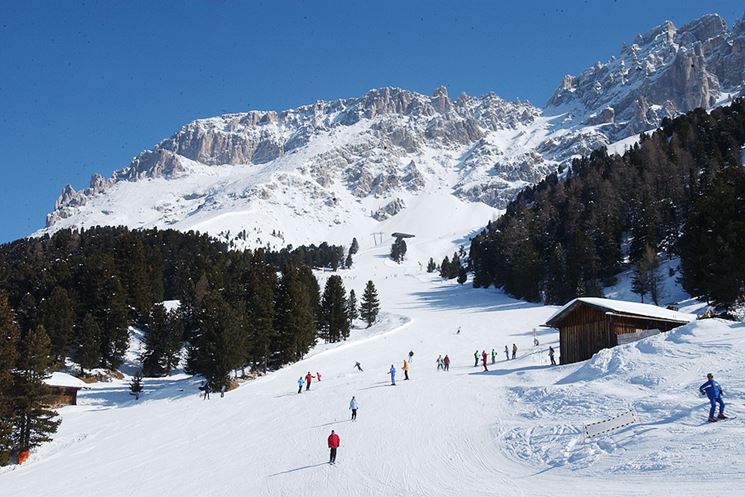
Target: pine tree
(431,266)
(398,250)
(154,361)
(34,423)
(370,305)
(58,317)
(218,348)
(8,356)
(260,289)
(355,247)
(334,316)
(88,353)
(646,277)
(135,386)
(352,310)
(462,275)
(348,262)
(445,268)
(115,320)
(295,317)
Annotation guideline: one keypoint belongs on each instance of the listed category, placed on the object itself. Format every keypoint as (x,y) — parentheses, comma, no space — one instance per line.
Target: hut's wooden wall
(586,330)
(582,333)
(62,396)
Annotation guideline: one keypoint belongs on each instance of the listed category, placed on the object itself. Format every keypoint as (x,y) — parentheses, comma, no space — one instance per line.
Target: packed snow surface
(513,430)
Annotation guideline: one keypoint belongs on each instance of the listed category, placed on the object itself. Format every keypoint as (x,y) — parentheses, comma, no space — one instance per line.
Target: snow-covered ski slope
(515,430)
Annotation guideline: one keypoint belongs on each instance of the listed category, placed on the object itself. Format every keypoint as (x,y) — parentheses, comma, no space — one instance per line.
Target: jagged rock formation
(375,152)
(665,72)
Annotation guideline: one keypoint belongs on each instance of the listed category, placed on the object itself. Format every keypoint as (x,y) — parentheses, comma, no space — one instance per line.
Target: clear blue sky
(85,86)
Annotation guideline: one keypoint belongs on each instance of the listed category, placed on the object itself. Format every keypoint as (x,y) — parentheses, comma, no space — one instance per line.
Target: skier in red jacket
(333,445)
(308,379)
(483,360)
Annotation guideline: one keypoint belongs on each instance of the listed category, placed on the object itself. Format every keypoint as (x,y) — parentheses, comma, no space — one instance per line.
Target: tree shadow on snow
(299,469)
(153,389)
(505,372)
(449,296)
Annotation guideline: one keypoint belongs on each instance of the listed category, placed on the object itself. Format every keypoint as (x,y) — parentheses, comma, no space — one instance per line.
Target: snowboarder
(493,355)
(446,362)
(536,342)
(713,390)
(411,356)
(353,405)
(406,370)
(333,445)
(514,350)
(318,376)
(476,358)
(507,352)
(392,371)
(357,365)
(440,364)
(300,385)
(483,360)
(551,355)
(308,379)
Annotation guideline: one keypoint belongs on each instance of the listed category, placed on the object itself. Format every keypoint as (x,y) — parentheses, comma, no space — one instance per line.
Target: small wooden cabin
(589,324)
(63,389)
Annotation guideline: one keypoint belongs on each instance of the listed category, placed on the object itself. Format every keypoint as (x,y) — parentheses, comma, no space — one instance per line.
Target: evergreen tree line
(679,191)
(322,256)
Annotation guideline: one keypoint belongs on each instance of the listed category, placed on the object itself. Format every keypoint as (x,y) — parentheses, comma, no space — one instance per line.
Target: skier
(300,385)
(357,365)
(392,371)
(353,405)
(536,343)
(713,390)
(551,355)
(514,350)
(318,376)
(222,391)
(411,356)
(476,358)
(493,355)
(406,370)
(446,362)
(507,352)
(206,390)
(440,364)
(458,332)
(333,441)
(308,379)
(483,359)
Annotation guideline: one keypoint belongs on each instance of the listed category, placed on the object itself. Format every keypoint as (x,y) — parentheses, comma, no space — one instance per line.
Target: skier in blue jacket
(713,390)
(393,375)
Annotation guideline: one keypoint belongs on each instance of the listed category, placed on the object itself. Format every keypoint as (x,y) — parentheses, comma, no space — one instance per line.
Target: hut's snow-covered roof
(59,379)
(623,307)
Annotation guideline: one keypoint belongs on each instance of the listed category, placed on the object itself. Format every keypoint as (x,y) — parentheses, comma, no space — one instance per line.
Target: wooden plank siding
(586,330)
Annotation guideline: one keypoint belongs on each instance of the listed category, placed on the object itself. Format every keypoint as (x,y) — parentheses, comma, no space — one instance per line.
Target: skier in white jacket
(353,405)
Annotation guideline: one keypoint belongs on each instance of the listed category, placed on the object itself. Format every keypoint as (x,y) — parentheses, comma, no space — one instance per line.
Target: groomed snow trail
(514,430)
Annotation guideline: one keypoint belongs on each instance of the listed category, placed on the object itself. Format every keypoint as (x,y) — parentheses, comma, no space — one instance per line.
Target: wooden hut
(589,324)
(63,389)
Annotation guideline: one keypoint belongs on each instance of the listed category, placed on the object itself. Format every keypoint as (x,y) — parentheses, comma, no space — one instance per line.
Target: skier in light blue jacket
(300,385)
(392,371)
(713,390)
(353,405)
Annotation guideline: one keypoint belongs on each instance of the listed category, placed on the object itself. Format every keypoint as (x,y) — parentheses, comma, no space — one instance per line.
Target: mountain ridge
(391,144)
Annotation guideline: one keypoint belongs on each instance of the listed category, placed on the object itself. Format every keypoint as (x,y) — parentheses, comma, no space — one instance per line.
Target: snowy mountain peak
(338,163)
(664,72)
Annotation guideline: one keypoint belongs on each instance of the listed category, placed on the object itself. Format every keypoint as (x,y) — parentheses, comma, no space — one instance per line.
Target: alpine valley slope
(514,430)
(317,170)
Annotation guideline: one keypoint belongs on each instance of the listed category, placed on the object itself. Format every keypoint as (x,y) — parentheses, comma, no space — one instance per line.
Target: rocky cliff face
(391,144)
(664,72)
